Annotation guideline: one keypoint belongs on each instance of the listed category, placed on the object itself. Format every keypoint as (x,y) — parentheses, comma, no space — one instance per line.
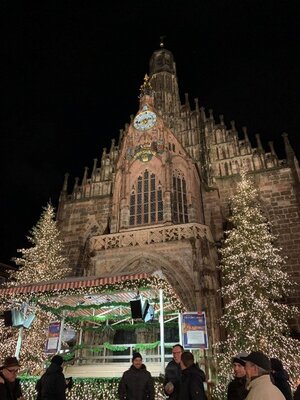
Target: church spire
(162,74)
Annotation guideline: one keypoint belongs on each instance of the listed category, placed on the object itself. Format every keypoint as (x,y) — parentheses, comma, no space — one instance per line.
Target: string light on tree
(254,284)
(44,261)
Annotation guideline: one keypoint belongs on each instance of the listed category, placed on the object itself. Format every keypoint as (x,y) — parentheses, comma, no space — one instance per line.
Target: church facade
(159,198)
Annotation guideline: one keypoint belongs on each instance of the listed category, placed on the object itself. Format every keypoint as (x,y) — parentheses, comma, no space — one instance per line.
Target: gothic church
(158,199)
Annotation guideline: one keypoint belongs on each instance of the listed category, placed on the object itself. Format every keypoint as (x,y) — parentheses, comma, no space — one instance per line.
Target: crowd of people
(51,386)
(183,379)
(256,377)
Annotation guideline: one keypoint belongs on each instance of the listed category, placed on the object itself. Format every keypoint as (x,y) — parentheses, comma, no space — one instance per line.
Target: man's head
(239,365)
(276,365)
(257,364)
(10,368)
(58,360)
(187,359)
(137,360)
(177,352)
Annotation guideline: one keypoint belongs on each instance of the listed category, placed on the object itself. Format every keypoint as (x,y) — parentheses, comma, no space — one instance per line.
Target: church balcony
(142,237)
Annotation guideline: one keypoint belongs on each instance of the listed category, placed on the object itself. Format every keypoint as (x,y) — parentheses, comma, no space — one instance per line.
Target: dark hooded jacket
(52,385)
(279,379)
(192,387)
(136,384)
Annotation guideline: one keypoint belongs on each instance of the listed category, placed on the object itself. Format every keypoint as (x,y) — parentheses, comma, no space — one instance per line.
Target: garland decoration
(88,388)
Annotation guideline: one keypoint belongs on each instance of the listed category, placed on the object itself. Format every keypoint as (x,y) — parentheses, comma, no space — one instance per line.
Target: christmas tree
(44,261)
(254,284)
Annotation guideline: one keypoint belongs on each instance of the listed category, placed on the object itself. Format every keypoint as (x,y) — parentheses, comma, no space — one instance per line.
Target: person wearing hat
(136,383)
(237,387)
(10,388)
(52,385)
(260,386)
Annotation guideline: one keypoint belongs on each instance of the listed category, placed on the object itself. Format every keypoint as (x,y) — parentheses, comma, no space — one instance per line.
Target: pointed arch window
(146,202)
(179,206)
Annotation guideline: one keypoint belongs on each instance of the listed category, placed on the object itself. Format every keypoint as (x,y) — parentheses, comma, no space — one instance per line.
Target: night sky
(71,72)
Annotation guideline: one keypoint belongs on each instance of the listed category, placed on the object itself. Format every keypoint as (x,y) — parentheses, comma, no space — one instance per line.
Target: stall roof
(91,296)
(69,283)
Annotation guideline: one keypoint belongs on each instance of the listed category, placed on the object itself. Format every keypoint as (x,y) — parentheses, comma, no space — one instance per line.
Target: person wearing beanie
(136,383)
(52,385)
(280,378)
(237,387)
(10,388)
(260,386)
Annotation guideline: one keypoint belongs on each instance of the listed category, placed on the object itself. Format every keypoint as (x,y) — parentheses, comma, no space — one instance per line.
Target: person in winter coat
(258,369)
(136,383)
(10,388)
(173,374)
(280,378)
(52,385)
(191,387)
(237,387)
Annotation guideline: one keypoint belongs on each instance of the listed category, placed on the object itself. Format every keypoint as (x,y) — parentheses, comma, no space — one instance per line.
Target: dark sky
(71,71)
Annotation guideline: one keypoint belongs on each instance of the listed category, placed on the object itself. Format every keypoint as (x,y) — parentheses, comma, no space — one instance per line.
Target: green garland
(147,346)
(114,347)
(131,327)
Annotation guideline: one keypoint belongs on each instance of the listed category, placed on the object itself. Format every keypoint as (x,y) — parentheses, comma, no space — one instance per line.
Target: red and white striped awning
(70,283)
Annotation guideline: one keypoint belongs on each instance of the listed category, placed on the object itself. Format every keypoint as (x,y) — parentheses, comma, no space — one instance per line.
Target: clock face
(144,120)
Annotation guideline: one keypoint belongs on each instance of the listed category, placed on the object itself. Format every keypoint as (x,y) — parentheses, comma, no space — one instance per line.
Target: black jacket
(237,389)
(136,384)
(52,385)
(192,384)
(10,390)
(280,380)
(173,374)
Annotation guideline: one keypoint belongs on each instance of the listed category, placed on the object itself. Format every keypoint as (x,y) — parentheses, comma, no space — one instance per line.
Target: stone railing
(150,235)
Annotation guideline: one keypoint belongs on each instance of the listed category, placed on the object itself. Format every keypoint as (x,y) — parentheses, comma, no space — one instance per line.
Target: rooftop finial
(161,44)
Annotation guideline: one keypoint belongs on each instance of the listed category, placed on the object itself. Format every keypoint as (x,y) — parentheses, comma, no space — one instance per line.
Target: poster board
(194,330)
(53,337)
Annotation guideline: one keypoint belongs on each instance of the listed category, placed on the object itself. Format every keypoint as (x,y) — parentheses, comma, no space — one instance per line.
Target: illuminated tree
(254,284)
(44,261)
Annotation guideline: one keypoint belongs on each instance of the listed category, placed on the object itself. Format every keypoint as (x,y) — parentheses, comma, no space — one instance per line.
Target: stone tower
(158,199)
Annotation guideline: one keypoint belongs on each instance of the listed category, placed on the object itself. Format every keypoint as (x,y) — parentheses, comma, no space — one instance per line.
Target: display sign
(53,337)
(194,330)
